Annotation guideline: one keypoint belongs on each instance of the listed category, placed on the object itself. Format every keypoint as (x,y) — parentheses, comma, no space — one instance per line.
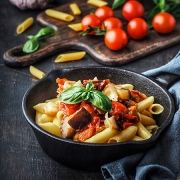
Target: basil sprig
(33,43)
(76,94)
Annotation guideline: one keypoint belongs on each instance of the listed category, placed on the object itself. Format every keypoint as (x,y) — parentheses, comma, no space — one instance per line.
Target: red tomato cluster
(133,11)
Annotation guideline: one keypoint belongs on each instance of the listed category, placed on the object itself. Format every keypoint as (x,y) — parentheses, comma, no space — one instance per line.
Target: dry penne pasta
(70,56)
(25,25)
(97,3)
(75,9)
(59,15)
(155,109)
(36,72)
(146,120)
(103,136)
(125,135)
(144,104)
(143,132)
(76,26)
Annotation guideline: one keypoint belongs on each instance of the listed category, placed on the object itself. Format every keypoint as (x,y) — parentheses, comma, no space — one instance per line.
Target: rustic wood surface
(94,46)
(21,157)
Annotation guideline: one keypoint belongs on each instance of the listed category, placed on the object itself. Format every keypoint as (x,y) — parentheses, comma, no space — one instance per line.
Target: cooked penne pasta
(145,120)
(74,114)
(25,25)
(103,136)
(57,120)
(143,132)
(59,15)
(38,117)
(137,138)
(70,56)
(51,108)
(75,9)
(125,135)
(76,26)
(36,72)
(97,3)
(144,104)
(51,128)
(147,113)
(156,109)
(45,118)
(39,107)
(152,128)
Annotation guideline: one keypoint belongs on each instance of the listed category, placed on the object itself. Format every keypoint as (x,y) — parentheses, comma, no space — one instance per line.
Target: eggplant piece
(80,119)
(66,130)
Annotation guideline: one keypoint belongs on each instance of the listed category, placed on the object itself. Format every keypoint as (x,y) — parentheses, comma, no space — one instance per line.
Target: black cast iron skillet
(86,156)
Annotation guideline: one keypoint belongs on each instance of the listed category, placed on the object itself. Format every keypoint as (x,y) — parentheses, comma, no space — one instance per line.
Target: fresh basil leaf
(85,95)
(90,86)
(117,3)
(154,11)
(31,45)
(100,100)
(72,95)
(30,37)
(45,33)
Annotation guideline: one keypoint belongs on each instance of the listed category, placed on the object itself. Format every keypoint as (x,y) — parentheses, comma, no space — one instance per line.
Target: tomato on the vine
(112,22)
(137,28)
(132,9)
(104,12)
(90,20)
(164,22)
(115,39)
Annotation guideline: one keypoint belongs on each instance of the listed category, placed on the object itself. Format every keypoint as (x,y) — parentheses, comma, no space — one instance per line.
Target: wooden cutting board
(67,38)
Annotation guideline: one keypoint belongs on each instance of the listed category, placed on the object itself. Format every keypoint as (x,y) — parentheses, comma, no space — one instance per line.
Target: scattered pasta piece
(75,9)
(59,15)
(36,72)
(97,3)
(70,56)
(24,25)
(76,26)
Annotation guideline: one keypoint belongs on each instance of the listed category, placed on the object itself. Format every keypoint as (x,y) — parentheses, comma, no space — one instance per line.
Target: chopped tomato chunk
(86,134)
(68,109)
(117,109)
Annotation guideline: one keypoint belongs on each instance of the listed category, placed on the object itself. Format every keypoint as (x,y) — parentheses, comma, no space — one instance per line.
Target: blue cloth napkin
(162,161)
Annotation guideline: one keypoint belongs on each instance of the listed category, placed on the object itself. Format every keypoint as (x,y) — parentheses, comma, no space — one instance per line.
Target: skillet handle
(167,79)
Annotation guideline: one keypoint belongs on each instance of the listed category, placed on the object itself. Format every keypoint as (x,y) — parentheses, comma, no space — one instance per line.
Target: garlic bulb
(31,4)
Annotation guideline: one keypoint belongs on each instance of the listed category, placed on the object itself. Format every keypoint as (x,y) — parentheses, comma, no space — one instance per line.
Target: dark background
(21,157)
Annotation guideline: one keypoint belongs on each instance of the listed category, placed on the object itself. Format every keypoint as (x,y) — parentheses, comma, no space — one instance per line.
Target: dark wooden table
(21,157)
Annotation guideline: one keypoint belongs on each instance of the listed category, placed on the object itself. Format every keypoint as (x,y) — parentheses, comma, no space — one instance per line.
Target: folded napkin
(162,161)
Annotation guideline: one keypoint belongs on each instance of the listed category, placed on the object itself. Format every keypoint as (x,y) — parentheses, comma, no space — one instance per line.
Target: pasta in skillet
(98,111)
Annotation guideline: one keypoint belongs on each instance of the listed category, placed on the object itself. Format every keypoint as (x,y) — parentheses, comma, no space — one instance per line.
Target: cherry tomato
(104,12)
(112,22)
(68,109)
(137,28)
(115,39)
(164,22)
(117,108)
(132,9)
(90,20)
